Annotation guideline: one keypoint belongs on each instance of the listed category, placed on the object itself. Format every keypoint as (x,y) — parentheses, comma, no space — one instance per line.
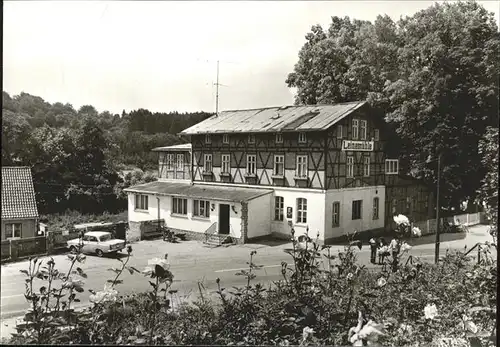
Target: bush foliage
(330,302)
(64,221)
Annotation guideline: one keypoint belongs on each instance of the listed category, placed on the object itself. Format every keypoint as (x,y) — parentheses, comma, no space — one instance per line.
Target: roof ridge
(276,119)
(315,105)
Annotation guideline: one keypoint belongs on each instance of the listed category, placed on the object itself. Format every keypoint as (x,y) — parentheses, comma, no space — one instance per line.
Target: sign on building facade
(361,146)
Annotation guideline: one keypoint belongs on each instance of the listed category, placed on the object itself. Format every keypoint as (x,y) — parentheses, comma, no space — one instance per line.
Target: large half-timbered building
(255,172)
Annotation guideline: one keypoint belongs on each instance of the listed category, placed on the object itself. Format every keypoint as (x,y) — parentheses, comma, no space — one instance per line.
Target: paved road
(192,262)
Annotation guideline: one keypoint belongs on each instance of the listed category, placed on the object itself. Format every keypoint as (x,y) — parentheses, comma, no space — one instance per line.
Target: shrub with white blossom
(401,219)
(416,232)
(340,303)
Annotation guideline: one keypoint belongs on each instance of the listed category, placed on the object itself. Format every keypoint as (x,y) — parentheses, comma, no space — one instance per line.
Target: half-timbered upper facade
(318,147)
(174,162)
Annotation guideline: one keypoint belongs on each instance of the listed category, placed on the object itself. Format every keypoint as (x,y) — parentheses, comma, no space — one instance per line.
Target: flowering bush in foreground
(323,299)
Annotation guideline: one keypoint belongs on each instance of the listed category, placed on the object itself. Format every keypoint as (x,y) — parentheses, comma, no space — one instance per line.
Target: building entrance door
(223,219)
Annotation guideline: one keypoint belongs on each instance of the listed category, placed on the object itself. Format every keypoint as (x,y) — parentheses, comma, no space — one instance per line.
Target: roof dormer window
(279,138)
(302,138)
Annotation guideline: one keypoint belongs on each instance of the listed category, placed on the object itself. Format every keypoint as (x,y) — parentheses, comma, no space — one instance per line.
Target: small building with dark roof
(19,210)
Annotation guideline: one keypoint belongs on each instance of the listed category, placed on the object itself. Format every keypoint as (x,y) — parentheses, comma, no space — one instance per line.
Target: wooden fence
(5,252)
(429,226)
(20,248)
(58,239)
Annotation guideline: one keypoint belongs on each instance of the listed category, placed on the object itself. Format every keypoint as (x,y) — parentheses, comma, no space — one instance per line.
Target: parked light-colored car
(98,243)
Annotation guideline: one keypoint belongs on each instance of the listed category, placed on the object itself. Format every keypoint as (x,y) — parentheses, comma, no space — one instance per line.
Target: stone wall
(147,229)
(143,229)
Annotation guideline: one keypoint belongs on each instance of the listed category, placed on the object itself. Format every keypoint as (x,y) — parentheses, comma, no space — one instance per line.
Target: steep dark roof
(275,119)
(18,193)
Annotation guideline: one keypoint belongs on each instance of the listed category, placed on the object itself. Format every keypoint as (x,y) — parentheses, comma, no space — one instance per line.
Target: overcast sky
(162,55)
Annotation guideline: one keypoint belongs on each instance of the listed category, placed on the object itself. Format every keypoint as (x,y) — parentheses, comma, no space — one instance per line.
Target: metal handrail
(211,230)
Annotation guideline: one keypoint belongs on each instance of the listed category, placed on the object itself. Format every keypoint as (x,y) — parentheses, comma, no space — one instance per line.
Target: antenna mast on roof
(217,93)
(217,84)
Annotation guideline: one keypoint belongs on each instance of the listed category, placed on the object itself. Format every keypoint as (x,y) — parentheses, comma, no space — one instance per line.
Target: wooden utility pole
(438,207)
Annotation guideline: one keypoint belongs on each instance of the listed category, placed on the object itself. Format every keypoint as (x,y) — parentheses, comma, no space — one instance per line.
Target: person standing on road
(395,246)
(373,249)
(381,250)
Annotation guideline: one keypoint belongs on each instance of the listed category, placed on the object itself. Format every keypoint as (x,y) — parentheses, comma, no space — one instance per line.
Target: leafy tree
(346,63)
(447,93)
(488,192)
(93,192)
(76,156)
(15,131)
(87,110)
(132,178)
(434,75)
(30,104)
(50,154)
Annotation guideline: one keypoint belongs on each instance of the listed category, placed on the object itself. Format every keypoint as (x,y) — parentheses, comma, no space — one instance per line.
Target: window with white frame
(376,205)
(225,139)
(394,205)
(357,207)
(13,230)
(363,124)
(336,214)
(340,131)
(226,163)
(366,167)
(179,206)
(350,167)
(207,163)
(408,204)
(302,138)
(141,202)
(279,165)
(251,138)
(180,162)
(279,202)
(355,129)
(208,139)
(376,135)
(301,166)
(279,138)
(301,210)
(170,162)
(391,166)
(251,164)
(201,208)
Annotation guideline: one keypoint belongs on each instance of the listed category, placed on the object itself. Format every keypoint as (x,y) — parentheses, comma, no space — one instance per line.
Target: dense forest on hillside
(132,135)
(76,155)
